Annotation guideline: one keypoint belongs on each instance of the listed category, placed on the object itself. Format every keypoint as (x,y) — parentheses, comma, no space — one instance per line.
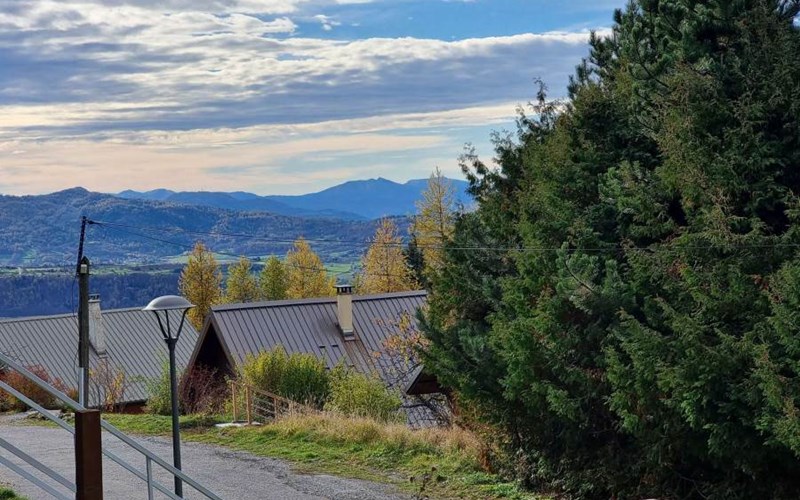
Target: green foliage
(359,395)
(416,262)
(299,377)
(159,401)
(6,494)
(643,341)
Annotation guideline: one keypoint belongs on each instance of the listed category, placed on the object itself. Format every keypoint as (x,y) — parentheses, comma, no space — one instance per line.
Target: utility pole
(82,272)
(83,331)
(84,220)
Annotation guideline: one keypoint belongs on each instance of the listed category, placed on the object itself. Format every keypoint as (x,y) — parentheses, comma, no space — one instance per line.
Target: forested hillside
(624,306)
(362,199)
(44,230)
(56,292)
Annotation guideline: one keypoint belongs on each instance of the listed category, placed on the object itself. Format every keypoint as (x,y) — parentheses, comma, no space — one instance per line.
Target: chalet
(123,341)
(344,329)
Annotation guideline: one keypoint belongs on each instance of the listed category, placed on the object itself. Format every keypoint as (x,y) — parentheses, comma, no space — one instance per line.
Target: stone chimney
(97,332)
(344,310)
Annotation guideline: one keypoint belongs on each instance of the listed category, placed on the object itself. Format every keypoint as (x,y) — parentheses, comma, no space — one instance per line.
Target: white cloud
(212,84)
(327,22)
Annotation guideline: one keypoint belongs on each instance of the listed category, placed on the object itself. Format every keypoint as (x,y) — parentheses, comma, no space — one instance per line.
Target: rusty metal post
(249,403)
(88,456)
(233,399)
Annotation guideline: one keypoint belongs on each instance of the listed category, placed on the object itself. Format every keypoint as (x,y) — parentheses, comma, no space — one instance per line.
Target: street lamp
(166,304)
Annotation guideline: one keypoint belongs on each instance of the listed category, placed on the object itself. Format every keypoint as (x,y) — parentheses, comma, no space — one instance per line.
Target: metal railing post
(85,446)
(149,468)
(88,456)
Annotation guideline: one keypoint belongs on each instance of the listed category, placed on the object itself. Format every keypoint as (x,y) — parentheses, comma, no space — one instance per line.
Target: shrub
(359,395)
(160,400)
(110,384)
(28,388)
(299,377)
(6,494)
(201,392)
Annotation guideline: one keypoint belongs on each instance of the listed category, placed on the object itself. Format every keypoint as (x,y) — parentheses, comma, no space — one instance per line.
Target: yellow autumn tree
(305,275)
(384,268)
(272,280)
(201,283)
(435,220)
(241,285)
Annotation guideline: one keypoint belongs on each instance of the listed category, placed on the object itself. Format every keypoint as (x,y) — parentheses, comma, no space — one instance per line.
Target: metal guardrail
(149,456)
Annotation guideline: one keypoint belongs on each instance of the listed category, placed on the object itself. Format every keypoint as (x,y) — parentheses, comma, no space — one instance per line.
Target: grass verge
(6,494)
(438,463)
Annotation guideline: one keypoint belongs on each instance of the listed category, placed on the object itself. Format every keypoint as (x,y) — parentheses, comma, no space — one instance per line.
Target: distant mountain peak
(356,199)
(77,190)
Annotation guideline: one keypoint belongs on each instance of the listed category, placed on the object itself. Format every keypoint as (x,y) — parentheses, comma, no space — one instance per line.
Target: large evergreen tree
(632,330)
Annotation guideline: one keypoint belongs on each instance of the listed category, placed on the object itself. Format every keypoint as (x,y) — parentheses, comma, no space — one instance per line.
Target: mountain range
(353,200)
(161,226)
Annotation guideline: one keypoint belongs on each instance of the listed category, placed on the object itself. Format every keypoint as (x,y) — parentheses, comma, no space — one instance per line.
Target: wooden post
(233,399)
(249,403)
(88,456)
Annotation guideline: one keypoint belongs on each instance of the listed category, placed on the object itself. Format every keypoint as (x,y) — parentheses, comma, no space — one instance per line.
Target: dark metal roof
(310,326)
(133,339)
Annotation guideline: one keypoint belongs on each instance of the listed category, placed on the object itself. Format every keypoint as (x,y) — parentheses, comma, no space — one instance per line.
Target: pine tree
(272,280)
(416,262)
(384,267)
(201,284)
(305,275)
(634,327)
(241,285)
(433,223)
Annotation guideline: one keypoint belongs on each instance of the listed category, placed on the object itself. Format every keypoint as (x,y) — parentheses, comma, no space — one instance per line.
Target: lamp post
(166,304)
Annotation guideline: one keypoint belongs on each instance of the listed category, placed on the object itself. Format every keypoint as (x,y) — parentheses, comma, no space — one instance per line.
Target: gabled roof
(310,326)
(133,339)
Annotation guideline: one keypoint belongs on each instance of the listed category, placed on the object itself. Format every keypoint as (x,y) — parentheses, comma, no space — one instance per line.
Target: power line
(218,234)
(520,248)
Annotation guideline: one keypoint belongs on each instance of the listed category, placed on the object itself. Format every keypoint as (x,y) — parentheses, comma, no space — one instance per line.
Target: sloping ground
(231,474)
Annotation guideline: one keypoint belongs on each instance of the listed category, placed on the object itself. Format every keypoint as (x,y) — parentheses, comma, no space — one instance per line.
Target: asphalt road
(230,474)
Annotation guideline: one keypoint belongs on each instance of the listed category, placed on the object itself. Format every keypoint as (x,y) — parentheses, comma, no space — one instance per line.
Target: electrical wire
(521,248)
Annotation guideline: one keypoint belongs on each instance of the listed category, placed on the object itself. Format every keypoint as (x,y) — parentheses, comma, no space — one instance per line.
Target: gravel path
(230,474)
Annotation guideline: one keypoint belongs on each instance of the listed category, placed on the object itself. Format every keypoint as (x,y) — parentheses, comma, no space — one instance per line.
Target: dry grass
(431,463)
(346,429)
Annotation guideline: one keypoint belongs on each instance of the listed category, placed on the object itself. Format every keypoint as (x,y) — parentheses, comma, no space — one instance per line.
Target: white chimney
(97,332)
(344,309)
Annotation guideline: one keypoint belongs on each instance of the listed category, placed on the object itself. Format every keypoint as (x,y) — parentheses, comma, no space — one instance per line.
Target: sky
(269,96)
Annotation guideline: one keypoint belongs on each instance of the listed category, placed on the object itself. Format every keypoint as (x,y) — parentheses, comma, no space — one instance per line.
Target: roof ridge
(315,300)
(65,315)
